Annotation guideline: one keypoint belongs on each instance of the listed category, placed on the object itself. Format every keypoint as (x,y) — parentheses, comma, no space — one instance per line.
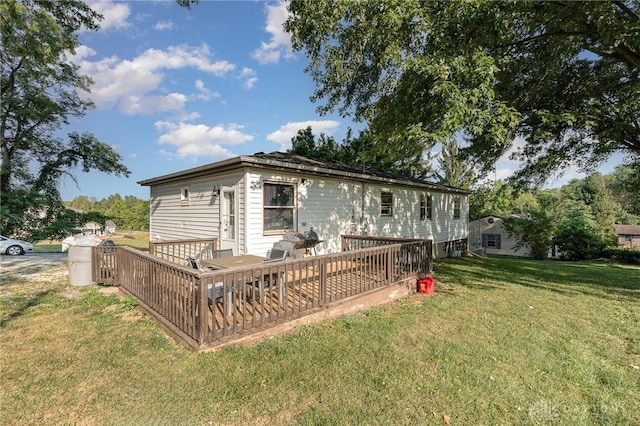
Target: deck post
(201,319)
(323,283)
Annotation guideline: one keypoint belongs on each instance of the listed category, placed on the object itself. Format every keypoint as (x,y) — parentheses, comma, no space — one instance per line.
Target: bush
(631,257)
(578,243)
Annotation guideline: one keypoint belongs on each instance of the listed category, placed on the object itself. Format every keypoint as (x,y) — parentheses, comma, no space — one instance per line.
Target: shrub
(628,256)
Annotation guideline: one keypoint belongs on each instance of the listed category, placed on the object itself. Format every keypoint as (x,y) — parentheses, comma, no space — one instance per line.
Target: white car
(14,247)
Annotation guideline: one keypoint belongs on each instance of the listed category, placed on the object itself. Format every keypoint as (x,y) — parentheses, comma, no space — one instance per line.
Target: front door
(229,221)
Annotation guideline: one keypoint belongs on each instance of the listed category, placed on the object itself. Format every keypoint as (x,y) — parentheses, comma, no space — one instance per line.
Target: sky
(177,88)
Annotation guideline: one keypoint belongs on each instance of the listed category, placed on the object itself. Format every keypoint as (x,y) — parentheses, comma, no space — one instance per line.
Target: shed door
(229,221)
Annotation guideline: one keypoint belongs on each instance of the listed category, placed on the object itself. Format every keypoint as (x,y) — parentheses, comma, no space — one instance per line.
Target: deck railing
(207,308)
(177,251)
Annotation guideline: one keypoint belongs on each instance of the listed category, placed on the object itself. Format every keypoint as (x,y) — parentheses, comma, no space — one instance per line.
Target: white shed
(250,202)
(488,232)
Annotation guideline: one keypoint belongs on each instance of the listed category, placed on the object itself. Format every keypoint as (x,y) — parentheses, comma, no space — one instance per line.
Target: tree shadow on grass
(18,305)
(592,278)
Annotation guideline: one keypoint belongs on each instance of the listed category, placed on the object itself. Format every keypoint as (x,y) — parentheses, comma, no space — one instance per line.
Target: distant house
(488,233)
(94,228)
(628,236)
(251,202)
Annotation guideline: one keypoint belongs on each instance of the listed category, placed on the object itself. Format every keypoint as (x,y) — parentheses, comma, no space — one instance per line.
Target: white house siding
(483,226)
(334,207)
(406,222)
(171,218)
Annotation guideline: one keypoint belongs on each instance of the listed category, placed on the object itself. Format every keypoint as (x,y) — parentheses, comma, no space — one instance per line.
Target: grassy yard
(137,240)
(503,341)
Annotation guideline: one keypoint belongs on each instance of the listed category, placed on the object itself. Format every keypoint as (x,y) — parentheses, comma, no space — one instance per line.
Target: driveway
(32,259)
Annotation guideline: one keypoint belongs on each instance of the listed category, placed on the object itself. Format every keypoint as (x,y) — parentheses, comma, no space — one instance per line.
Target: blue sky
(177,88)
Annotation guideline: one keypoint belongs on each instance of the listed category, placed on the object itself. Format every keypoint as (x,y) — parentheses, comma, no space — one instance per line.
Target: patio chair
(195,264)
(276,255)
(221,253)
(269,282)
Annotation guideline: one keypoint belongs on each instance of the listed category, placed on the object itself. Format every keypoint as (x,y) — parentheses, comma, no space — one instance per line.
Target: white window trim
(390,214)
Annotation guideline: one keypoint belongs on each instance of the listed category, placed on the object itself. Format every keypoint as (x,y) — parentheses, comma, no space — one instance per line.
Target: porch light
(216,190)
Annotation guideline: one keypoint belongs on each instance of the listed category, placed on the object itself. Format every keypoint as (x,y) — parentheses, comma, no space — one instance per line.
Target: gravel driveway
(32,259)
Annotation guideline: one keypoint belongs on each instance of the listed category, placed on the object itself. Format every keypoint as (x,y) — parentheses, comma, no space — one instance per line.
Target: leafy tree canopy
(39,94)
(356,151)
(563,76)
(452,171)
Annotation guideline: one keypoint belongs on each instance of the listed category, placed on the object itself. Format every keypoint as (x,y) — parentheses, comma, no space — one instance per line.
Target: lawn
(137,240)
(503,341)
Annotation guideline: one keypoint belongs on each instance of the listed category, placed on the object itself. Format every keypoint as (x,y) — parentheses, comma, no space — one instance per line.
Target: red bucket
(426,285)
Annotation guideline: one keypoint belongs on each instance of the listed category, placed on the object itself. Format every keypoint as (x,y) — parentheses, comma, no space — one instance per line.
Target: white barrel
(80,266)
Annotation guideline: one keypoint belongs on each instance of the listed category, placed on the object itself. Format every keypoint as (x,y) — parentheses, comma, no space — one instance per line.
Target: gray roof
(628,229)
(295,163)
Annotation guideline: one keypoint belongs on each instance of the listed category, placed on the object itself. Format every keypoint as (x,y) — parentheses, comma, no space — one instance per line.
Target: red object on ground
(426,285)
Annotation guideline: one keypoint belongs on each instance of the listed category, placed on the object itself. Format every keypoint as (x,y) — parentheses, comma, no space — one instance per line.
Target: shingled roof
(297,163)
(628,229)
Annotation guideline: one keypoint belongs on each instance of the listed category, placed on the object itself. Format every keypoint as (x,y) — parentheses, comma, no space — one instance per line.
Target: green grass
(503,341)
(139,241)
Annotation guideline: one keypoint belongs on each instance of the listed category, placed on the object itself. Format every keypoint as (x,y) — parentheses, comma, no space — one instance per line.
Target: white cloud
(204,94)
(280,42)
(197,140)
(164,26)
(129,83)
(116,14)
(286,132)
(250,78)
(134,105)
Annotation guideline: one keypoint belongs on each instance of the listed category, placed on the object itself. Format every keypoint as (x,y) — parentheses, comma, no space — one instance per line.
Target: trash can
(426,285)
(80,266)
(79,259)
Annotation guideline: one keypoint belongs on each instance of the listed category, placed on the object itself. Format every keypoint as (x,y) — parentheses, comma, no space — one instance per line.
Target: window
(456,208)
(491,241)
(184,195)
(279,206)
(426,205)
(386,203)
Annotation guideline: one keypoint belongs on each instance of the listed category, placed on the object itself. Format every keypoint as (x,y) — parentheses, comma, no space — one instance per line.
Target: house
(488,233)
(628,236)
(94,228)
(250,202)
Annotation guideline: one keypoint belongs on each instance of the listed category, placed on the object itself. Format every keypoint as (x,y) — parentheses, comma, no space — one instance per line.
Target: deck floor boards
(302,293)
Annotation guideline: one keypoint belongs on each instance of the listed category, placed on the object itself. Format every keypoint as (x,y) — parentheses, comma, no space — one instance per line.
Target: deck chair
(269,282)
(195,264)
(221,253)
(276,255)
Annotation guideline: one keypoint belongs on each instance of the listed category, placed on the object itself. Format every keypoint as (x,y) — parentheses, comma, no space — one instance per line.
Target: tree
(577,237)
(594,194)
(624,184)
(535,232)
(563,76)
(39,94)
(324,149)
(453,171)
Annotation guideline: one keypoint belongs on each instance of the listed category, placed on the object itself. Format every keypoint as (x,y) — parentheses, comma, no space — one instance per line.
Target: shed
(628,236)
(250,202)
(488,233)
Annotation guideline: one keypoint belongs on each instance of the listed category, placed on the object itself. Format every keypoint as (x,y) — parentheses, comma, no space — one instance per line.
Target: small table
(232,261)
(261,285)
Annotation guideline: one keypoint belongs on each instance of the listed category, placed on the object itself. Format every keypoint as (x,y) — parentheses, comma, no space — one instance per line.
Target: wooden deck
(181,298)
(301,290)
